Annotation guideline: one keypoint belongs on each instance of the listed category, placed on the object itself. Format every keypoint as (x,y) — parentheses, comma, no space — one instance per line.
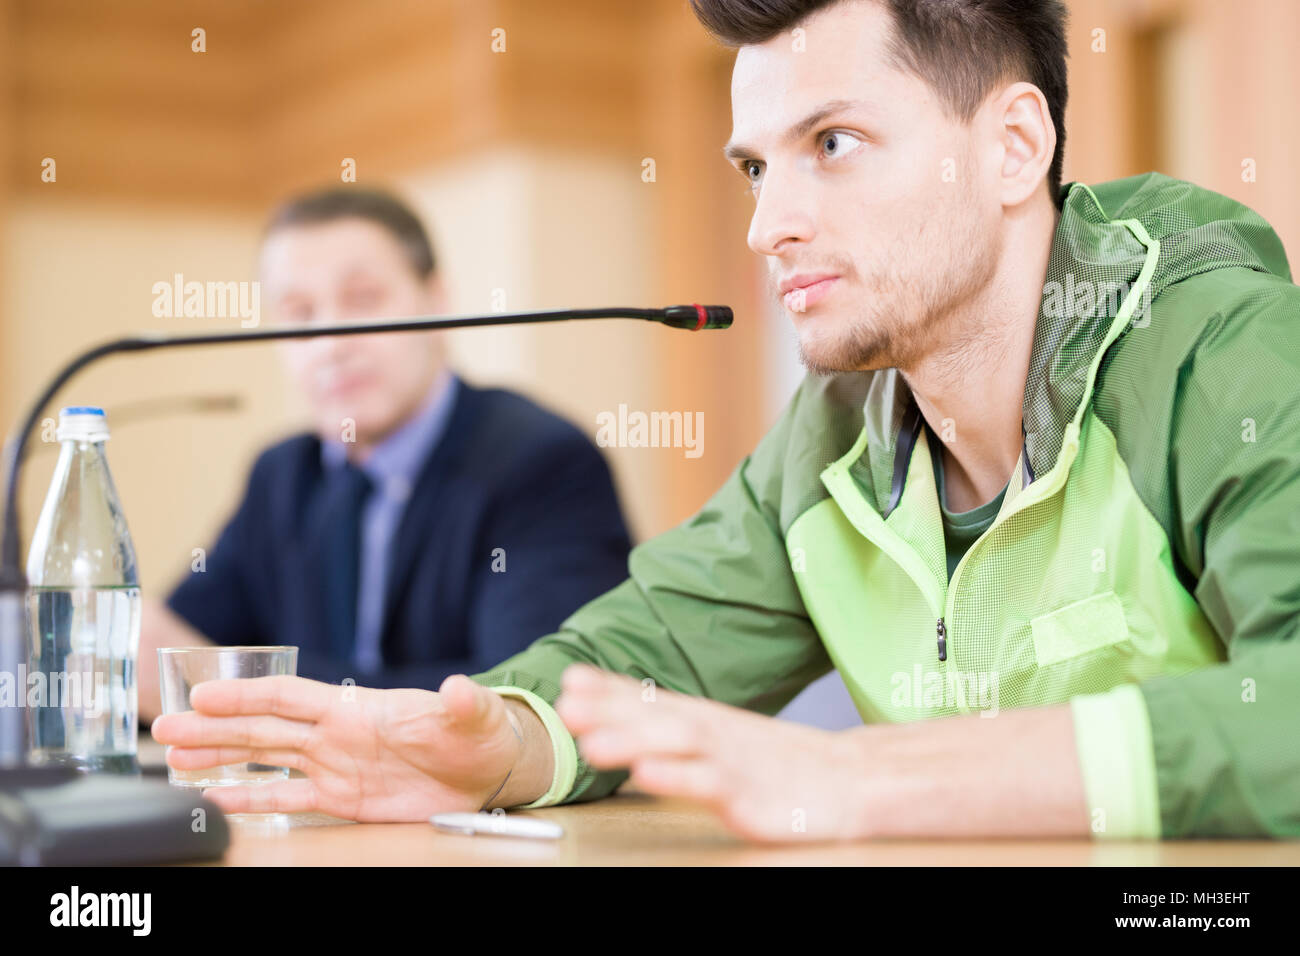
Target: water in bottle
(83,610)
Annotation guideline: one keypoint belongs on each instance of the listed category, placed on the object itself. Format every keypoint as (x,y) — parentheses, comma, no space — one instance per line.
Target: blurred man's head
(347,254)
(891,146)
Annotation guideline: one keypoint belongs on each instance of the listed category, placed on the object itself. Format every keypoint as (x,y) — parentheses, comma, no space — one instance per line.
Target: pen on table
(497,824)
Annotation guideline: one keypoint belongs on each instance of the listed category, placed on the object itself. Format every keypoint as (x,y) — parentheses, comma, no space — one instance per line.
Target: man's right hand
(369,755)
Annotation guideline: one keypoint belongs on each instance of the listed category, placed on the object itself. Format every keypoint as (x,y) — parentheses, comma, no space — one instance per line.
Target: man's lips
(344,386)
(802,292)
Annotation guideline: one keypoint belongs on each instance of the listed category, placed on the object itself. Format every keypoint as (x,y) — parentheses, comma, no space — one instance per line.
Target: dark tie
(343,498)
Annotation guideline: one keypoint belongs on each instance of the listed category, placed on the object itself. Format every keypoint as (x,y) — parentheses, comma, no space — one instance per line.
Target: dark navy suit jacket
(505,475)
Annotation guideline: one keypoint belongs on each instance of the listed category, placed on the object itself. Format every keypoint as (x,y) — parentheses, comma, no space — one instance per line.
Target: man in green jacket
(1038,499)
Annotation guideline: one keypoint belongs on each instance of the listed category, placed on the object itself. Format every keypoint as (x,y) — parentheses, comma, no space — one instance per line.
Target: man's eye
(839,144)
(751,171)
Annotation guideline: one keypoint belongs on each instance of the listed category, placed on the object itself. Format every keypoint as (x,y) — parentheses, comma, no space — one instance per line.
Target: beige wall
(78,273)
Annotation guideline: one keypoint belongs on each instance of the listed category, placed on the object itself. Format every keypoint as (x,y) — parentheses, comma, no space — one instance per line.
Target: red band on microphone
(699,310)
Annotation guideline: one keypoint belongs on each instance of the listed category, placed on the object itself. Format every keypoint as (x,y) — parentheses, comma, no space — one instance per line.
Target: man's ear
(437,292)
(1026,136)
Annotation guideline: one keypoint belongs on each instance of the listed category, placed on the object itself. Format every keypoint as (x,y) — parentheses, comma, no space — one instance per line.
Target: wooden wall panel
(8,360)
(286,91)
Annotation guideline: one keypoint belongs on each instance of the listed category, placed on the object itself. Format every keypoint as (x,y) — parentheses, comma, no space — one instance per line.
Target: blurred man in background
(426,527)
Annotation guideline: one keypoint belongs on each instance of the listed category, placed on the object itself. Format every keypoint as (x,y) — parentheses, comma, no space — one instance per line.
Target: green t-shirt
(961,528)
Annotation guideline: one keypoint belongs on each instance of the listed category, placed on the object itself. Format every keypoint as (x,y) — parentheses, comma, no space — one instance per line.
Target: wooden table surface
(635,829)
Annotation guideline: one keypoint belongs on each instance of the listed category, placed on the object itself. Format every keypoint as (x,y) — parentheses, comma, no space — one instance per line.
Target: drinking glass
(180,668)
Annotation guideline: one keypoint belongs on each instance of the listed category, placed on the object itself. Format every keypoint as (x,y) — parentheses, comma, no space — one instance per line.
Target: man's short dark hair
(961,48)
(352,202)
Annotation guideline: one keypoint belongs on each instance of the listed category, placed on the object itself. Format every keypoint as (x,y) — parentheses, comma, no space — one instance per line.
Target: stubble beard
(918,319)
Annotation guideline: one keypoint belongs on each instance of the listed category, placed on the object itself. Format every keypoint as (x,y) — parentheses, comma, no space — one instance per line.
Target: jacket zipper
(1059,474)
(1046,487)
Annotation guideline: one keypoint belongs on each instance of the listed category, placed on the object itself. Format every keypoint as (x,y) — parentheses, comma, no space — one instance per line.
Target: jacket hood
(1097,259)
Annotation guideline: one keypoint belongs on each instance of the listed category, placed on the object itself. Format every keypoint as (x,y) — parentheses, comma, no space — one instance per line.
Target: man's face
(861,181)
(347,270)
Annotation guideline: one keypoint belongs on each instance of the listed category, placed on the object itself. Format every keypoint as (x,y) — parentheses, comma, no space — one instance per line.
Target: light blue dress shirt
(393,466)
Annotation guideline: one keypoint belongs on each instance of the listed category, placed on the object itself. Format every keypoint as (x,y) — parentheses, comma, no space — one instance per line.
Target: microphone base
(57,816)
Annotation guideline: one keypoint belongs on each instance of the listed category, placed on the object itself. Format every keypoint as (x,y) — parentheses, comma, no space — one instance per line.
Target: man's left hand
(769,780)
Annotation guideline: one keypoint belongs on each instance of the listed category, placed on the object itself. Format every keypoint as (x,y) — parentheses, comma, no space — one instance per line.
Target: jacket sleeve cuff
(1112,735)
(562,746)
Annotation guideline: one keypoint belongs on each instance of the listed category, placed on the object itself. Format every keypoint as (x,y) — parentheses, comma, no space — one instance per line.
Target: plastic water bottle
(83,610)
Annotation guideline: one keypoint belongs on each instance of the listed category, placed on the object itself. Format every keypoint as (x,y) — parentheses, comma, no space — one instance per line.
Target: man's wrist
(929,778)
(860,787)
(531,775)
(519,737)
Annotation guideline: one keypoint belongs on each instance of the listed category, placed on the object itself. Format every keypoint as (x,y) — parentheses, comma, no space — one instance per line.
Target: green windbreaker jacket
(1144,565)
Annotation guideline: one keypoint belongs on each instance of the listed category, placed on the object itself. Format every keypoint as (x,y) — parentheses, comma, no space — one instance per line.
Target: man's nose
(783,214)
(326,345)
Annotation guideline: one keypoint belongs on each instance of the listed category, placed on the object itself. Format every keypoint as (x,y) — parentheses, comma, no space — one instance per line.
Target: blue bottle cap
(82,423)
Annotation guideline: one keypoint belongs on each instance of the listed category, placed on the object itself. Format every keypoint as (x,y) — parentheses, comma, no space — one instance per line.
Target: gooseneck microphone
(13,581)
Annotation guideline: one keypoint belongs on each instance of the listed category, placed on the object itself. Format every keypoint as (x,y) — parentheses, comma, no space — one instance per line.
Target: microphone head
(696,317)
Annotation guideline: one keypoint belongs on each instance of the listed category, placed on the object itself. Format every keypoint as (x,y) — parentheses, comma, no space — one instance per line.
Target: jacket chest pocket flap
(1079,628)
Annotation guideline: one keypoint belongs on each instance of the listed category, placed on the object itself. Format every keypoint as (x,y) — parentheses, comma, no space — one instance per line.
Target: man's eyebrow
(735,151)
